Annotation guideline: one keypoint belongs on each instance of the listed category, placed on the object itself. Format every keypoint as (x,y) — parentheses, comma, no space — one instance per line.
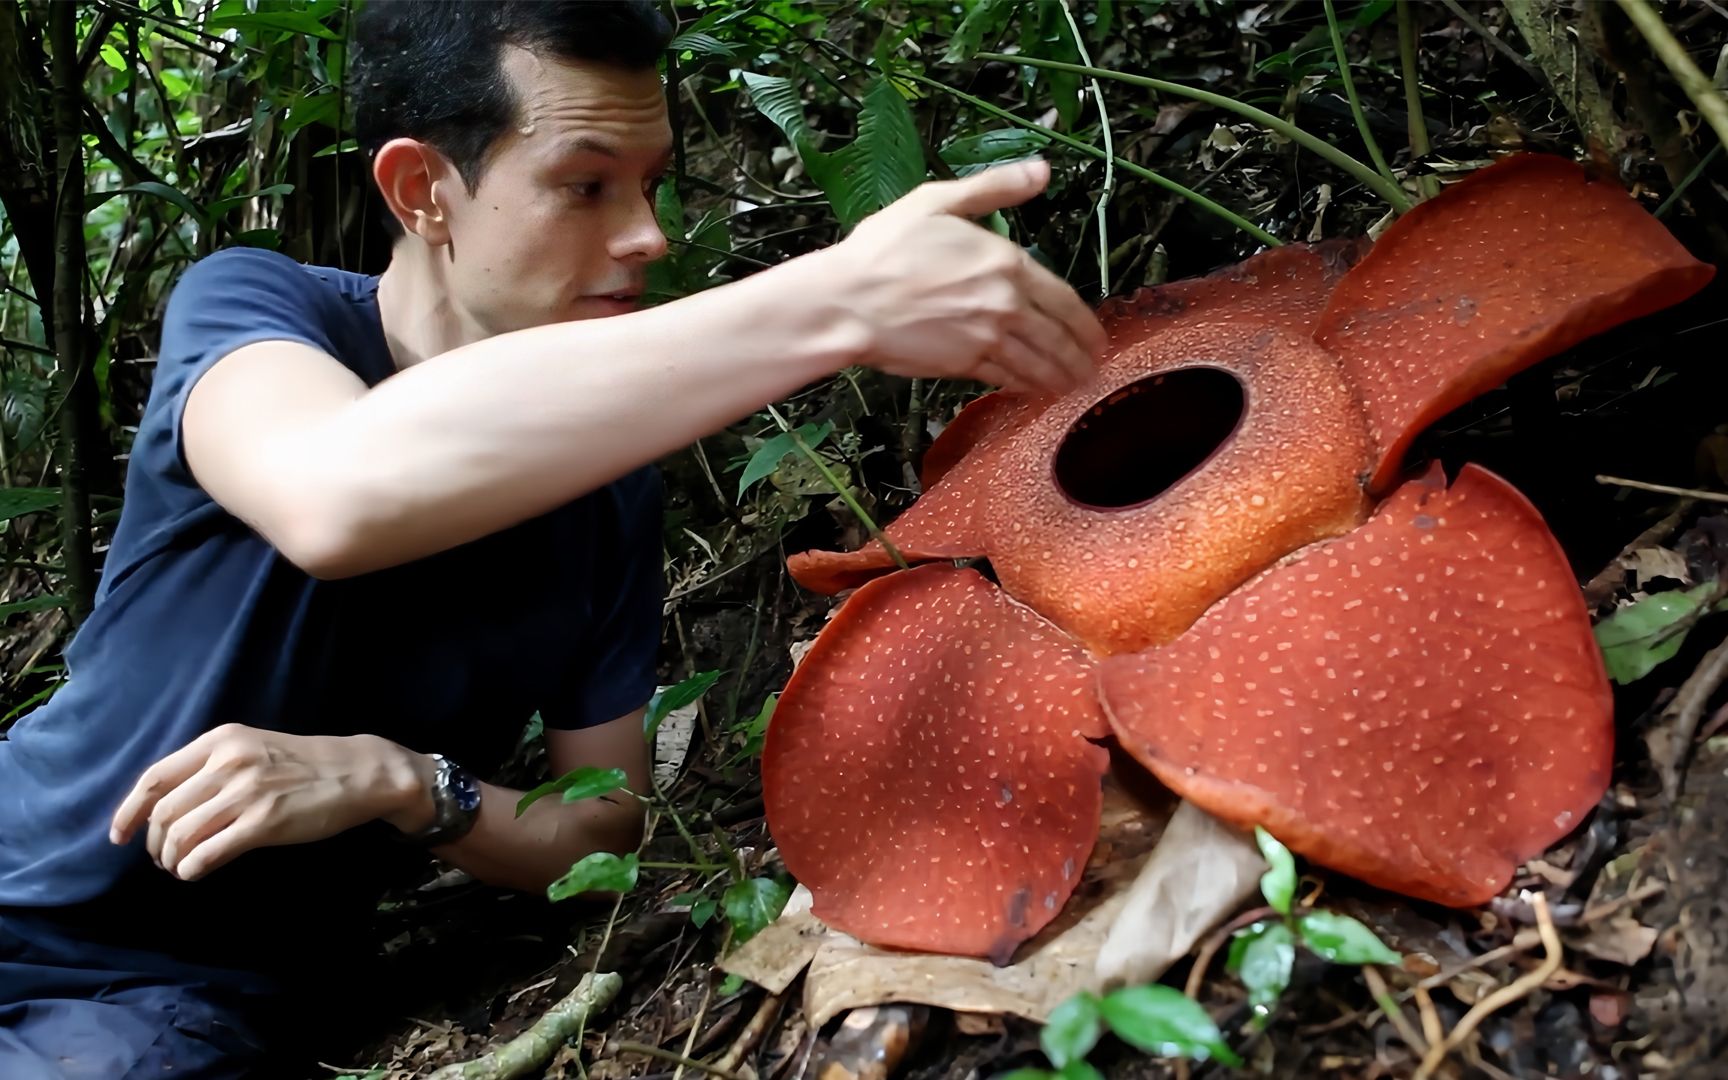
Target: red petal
(943,523)
(982,418)
(928,773)
(1420,704)
(1515,264)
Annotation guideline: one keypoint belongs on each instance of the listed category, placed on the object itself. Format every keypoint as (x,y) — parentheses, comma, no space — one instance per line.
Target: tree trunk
(26,162)
(74,375)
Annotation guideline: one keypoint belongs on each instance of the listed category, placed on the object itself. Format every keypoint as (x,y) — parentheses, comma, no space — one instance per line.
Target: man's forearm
(471,441)
(534,850)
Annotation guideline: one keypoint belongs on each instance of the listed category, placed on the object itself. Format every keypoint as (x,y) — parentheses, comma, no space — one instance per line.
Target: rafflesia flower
(1216,555)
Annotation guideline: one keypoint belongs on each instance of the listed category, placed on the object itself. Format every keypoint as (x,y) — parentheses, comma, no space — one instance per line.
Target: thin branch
(135,171)
(1087,148)
(1504,996)
(1711,104)
(1386,189)
(1499,45)
(1664,489)
(644,1050)
(94,40)
(27,346)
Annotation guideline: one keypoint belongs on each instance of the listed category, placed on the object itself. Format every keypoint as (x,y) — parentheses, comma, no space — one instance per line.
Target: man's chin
(600,307)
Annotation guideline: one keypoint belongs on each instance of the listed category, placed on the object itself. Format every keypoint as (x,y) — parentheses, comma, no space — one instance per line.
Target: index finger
(980,194)
(157,781)
(1058,299)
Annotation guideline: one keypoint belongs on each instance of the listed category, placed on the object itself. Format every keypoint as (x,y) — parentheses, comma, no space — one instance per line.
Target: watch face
(467,791)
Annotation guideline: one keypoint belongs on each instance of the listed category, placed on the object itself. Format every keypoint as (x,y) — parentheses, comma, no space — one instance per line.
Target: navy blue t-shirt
(200,622)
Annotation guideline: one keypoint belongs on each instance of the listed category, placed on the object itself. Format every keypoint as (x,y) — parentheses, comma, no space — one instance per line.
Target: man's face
(562,224)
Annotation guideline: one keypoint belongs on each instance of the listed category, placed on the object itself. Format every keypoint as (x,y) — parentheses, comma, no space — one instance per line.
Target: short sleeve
(617,670)
(232,298)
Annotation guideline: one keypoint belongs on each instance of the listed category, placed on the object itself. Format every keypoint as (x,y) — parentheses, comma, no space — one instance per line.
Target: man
(373,524)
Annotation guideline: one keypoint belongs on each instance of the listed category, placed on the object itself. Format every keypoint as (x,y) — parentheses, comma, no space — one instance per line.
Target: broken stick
(533,1047)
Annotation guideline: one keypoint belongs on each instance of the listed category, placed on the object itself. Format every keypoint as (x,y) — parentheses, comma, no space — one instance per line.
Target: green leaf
(35,603)
(1637,638)
(667,701)
(111,56)
(1072,1030)
(752,905)
(1028,1074)
(153,188)
(221,206)
(702,911)
(883,163)
(1166,1022)
(284,22)
(1342,940)
(18,501)
(768,456)
(322,108)
(1079,1070)
(756,730)
(599,872)
(731,985)
(973,153)
(586,782)
(778,100)
(697,43)
(985,19)
(1278,884)
(1262,957)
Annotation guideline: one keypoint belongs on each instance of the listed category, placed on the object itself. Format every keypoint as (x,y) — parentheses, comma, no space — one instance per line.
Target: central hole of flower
(1144,438)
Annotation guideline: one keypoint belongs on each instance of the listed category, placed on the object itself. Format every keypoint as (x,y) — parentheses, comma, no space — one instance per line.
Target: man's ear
(413,178)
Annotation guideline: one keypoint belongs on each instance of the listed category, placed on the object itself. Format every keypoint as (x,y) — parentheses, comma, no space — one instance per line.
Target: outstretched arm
(343,479)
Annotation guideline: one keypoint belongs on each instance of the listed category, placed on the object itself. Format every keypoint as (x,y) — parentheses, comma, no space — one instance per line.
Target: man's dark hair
(432,69)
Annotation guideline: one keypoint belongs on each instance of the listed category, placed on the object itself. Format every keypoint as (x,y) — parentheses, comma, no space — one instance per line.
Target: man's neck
(414,304)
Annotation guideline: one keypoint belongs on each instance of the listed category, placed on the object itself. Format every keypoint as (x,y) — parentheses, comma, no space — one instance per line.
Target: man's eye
(586,189)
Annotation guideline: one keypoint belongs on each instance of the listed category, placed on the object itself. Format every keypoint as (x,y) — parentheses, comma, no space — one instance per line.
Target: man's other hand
(237,788)
(941,297)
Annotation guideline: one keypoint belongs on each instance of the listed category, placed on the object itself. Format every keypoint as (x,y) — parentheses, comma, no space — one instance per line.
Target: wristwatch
(456,799)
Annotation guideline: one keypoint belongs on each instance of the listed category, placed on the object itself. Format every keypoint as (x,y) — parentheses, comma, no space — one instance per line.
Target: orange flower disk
(1193,555)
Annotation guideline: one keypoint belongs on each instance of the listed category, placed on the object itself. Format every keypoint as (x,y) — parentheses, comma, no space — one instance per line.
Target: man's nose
(638,237)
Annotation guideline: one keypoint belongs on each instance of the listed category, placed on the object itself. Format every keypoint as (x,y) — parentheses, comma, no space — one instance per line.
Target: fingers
(1031,366)
(223,846)
(979,194)
(158,780)
(189,797)
(186,832)
(1058,300)
(1053,341)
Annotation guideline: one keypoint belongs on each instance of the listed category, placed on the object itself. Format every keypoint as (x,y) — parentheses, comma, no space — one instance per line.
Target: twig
(1087,148)
(1664,489)
(1428,184)
(1670,740)
(1495,40)
(840,489)
(695,1025)
(753,1032)
(1602,586)
(529,1050)
(1203,959)
(1368,139)
(1687,181)
(677,1059)
(1711,104)
(1382,995)
(1109,155)
(1386,189)
(1431,1029)
(1521,988)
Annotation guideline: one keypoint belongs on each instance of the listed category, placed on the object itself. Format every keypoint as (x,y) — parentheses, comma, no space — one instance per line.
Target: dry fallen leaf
(1201,870)
(1649,563)
(1620,940)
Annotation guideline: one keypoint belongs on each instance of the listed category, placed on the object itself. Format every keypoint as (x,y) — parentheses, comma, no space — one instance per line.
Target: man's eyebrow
(588,144)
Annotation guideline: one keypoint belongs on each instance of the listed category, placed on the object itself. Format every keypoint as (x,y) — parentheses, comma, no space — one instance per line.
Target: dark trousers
(74,1007)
